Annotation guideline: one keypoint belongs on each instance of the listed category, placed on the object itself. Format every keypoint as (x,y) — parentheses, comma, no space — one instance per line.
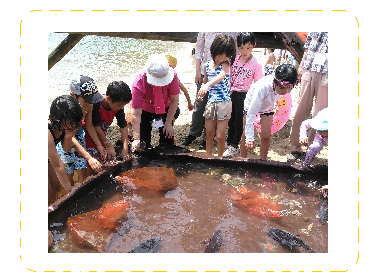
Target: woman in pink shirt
(155,94)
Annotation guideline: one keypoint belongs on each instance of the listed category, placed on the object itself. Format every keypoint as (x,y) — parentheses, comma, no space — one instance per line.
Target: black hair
(223,44)
(119,91)
(65,109)
(285,72)
(245,37)
(272,50)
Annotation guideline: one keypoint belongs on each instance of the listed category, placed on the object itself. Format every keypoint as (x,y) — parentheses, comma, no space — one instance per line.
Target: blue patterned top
(219,92)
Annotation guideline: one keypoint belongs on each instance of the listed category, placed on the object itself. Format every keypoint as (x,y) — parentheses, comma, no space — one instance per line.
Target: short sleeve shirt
(142,92)
(316,57)
(242,74)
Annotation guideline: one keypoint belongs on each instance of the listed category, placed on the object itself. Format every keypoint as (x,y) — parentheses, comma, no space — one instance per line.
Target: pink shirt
(243,73)
(142,92)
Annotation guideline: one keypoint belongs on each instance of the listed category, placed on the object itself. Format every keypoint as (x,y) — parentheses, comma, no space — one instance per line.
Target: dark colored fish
(214,243)
(152,245)
(323,211)
(287,239)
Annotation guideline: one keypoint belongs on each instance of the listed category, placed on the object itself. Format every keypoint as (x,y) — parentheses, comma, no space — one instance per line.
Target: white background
(30,258)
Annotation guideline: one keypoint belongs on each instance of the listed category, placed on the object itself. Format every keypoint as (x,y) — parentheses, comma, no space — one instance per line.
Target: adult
(202,55)
(155,94)
(313,71)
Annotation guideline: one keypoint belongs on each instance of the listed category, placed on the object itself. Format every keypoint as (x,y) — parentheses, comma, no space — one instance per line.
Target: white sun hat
(320,122)
(158,71)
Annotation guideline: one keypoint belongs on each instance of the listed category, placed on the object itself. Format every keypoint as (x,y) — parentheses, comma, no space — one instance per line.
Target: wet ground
(185,218)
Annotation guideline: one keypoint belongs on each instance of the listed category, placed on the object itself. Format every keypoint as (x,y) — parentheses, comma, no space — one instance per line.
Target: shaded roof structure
(291,41)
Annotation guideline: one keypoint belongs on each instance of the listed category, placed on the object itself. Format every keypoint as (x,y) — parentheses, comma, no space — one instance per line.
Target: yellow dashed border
(358,61)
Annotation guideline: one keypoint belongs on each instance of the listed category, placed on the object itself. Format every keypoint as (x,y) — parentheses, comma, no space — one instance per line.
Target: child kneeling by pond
(320,124)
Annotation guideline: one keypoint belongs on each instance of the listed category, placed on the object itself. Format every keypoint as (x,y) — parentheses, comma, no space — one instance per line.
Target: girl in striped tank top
(216,84)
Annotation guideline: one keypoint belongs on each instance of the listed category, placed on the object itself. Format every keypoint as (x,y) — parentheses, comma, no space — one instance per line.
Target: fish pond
(207,199)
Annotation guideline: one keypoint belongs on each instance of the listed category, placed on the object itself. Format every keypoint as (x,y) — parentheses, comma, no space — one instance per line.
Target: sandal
(295,155)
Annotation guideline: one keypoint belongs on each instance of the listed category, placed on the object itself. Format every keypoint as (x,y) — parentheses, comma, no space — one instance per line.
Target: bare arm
(198,74)
(95,165)
(125,140)
(136,119)
(107,143)
(185,92)
(92,132)
(220,76)
(57,164)
(204,87)
(168,128)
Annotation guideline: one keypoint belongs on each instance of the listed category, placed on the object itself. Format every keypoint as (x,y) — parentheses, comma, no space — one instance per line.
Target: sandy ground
(280,145)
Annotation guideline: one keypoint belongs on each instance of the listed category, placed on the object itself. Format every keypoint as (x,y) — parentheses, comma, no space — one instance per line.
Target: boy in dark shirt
(118,94)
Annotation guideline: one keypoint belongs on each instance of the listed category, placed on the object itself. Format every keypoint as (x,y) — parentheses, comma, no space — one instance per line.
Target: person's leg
(266,122)
(53,184)
(198,120)
(321,99)
(210,126)
(238,127)
(303,109)
(220,136)
(232,120)
(146,128)
(80,165)
(243,150)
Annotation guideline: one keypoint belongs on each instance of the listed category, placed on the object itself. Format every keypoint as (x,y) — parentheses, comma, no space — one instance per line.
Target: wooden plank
(63,48)
(162,36)
(274,40)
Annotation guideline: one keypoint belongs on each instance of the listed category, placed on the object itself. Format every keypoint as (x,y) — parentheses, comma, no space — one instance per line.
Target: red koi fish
(154,178)
(254,203)
(91,229)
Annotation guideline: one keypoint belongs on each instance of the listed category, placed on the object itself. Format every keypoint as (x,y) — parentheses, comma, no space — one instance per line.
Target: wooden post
(65,46)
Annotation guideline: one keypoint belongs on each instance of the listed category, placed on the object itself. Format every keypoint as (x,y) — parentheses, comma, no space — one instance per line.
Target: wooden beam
(274,40)
(63,48)
(162,36)
(293,43)
(263,39)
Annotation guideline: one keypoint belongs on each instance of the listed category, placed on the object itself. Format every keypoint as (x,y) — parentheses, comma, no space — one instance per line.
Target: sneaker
(230,152)
(202,145)
(188,140)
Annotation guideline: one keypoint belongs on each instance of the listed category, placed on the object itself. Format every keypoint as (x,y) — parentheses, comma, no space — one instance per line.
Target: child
(173,63)
(261,98)
(216,79)
(64,121)
(243,72)
(118,94)
(320,124)
(270,62)
(85,91)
